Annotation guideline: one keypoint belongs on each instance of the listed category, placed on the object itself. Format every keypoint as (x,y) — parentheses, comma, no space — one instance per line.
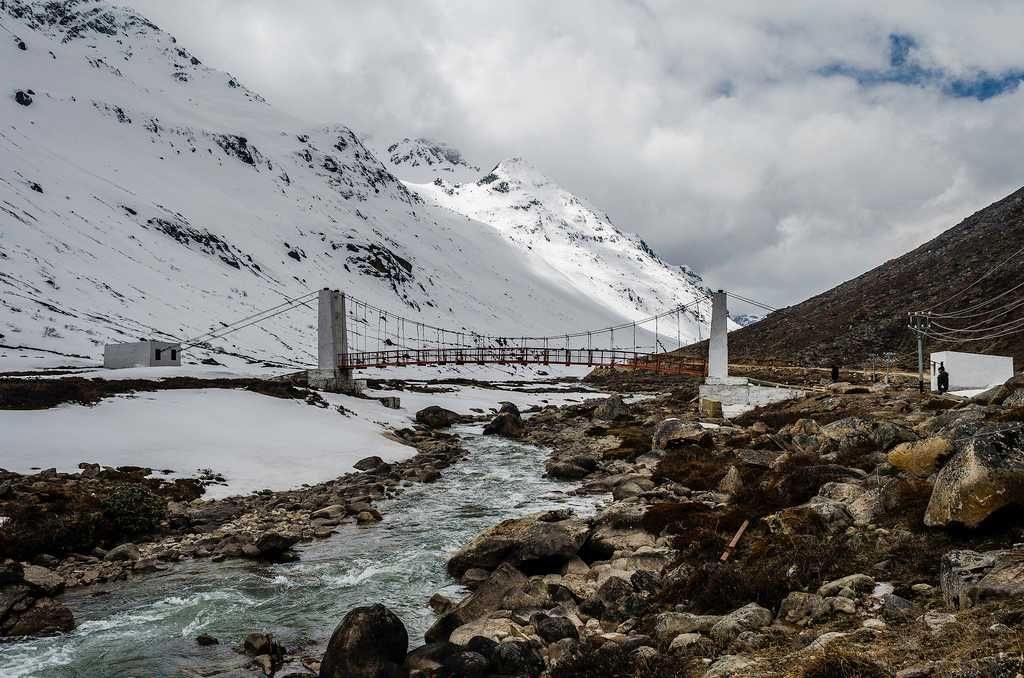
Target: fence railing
(664,363)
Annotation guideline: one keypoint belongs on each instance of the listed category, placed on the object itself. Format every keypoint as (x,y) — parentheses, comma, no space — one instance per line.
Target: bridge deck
(662,363)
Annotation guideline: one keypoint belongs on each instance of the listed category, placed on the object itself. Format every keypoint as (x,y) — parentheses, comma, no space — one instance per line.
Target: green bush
(132,510)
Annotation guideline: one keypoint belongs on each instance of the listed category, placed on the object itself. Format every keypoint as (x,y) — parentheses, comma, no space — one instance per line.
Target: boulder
(488,597)
(553,628)
(127,551)
(493,629)
(921,458)
(985,475)
(607,539)
(506,424)
(511,408)
(727,666)
(46,580)
(548,538)
(968,577)
(862,504)
(273,545)
(437,417)
(672,431)
(803,608)
(370,463)
(42,617)
(370,642)
(750,617)
(516,658)
(466,663)
(861,583)
(815,516)
(683,642)
(611,408)
(668,625)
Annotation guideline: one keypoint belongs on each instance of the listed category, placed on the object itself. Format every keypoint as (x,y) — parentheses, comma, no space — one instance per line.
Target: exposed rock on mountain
(145,194)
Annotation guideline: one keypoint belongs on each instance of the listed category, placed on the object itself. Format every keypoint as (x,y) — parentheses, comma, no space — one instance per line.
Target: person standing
(943,379)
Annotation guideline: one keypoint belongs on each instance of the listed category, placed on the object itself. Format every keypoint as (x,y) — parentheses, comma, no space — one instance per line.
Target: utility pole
(919,323)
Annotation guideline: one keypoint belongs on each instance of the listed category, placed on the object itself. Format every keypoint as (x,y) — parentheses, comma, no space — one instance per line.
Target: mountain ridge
(143,193)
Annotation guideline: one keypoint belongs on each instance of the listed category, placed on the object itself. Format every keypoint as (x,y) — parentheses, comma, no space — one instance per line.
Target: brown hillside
(867,316)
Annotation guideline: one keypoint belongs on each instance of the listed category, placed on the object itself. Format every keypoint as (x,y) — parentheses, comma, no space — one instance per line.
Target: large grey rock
(40,617)
(437,417)
(506,424)
(611,408)
(969,577)
(370,642)
(802,608)
(550,537)
(674,431)
(46,580)
(668,625)
(747,618)
(985,475)
(127,551)
(490,595)
(727,666)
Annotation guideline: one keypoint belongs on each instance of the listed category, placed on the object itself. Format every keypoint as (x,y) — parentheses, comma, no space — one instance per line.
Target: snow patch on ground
(255,441)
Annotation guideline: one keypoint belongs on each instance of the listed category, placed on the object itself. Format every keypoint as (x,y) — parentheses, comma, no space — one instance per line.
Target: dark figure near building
(943,379)
(835,374)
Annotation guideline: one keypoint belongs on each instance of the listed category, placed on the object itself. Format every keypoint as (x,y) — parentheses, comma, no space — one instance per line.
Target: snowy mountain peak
(570,242)
(421,160)
(145,194)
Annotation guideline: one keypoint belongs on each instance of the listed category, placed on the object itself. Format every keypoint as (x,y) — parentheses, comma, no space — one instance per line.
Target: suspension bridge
(354,334)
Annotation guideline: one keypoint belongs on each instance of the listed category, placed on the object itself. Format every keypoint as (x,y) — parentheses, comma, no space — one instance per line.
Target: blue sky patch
(905,70)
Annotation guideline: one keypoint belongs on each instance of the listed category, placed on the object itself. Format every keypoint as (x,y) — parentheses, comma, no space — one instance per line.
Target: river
(146,627)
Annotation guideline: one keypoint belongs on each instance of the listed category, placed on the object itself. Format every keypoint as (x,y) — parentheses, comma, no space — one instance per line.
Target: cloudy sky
(778,148)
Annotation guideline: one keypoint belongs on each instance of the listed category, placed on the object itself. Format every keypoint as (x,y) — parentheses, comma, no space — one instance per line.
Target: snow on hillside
(145,194)
(569,242)
(422,160)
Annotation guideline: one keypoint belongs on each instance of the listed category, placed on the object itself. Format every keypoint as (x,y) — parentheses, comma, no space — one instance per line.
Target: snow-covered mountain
(143,193)
(744,319)
(566,240)
(422,160)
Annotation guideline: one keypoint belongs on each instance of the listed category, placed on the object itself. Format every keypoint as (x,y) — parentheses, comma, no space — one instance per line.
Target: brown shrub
(840,662)
(37,394)
(611,661)
(693,467)
(765,572)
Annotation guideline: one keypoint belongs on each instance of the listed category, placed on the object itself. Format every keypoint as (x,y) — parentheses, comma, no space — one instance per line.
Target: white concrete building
(969,371)
(150,353)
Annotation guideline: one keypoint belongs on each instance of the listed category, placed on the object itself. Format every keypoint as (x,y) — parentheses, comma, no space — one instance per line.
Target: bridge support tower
(332,346)
(734,394)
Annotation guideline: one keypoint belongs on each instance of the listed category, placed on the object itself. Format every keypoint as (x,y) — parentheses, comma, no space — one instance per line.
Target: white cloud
(704,126)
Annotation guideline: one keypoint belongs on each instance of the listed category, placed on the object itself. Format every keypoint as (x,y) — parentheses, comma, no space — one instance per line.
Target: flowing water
(147,627)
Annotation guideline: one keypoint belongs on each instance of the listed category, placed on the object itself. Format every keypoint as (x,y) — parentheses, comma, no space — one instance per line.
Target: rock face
(547,537)
(26,608)
(969,577)
(370,642)
(437,417)
(985,475)
(489,595)
(921,458)
(611,408)
(507,424)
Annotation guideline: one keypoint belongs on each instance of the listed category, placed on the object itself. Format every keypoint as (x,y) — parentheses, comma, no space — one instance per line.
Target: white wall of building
(141,354)
(971,370)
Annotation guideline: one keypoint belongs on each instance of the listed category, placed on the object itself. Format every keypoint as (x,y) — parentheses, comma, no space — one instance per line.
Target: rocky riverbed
(861,531)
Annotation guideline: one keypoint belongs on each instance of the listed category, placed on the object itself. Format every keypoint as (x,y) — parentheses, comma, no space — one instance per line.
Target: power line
(983,277)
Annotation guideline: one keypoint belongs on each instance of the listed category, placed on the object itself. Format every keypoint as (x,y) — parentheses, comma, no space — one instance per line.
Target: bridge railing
(664,363)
